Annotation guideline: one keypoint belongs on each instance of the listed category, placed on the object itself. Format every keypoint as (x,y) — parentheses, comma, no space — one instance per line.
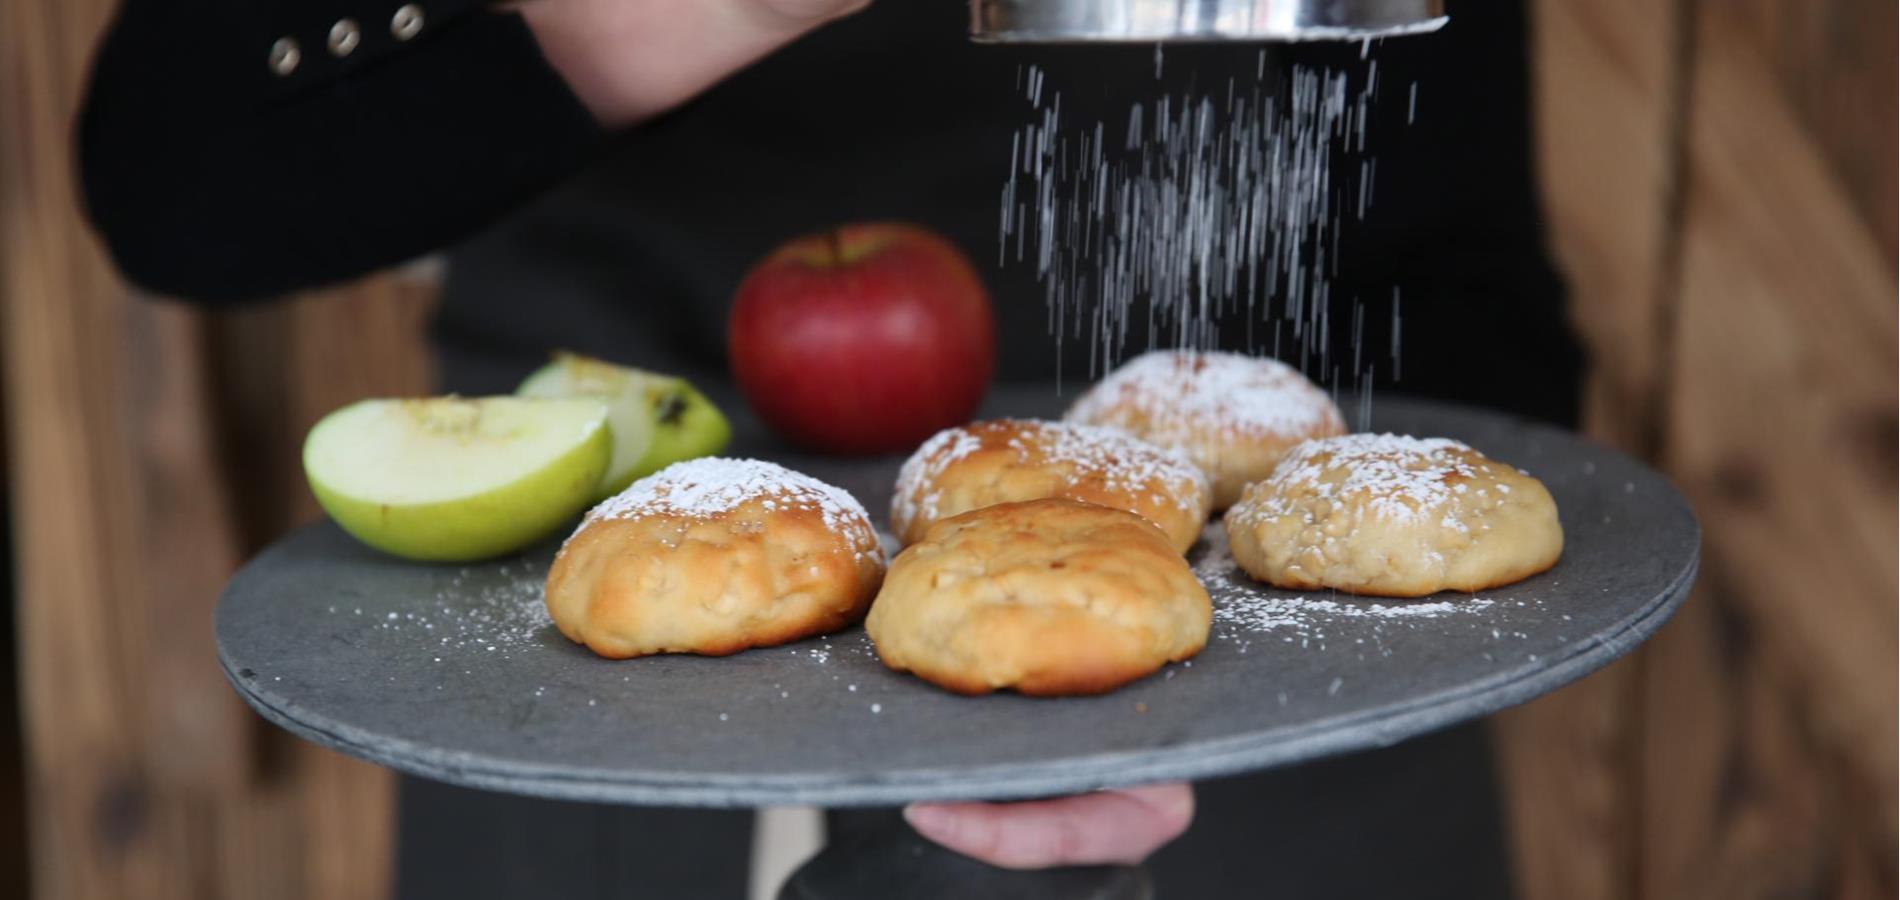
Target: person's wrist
(799,16)
(627,60)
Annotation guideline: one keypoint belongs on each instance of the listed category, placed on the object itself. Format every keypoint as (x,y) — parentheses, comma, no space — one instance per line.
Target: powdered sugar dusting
(849,646)
(713,486)
(1245,609)
(502,616)
(470,616)
(1179,393)
(925,465)
(1396,477)
(1124,463)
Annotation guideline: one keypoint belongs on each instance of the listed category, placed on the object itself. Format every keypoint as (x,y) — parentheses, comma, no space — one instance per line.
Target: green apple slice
(448,479)
(657,420)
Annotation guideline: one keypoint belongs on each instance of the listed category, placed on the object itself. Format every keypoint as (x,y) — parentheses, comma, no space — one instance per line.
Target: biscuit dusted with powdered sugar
(1045,597)
(1232,415)
(1008,460)
(713,556)
(1394,516)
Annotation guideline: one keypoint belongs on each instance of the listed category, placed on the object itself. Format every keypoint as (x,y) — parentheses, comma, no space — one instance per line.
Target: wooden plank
(1786,400)
(1687,719)
(1743,795)
(194,736)
(1606,76)
(146,778)
(1767,709)
(79,615)
(1565,764)
(1738,803)
(1770,834)
(1833,63)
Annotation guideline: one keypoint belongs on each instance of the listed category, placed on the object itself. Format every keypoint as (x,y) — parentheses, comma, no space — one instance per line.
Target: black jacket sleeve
(216,171)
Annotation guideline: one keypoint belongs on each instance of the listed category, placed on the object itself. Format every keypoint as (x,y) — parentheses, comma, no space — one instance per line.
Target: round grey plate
(455,673)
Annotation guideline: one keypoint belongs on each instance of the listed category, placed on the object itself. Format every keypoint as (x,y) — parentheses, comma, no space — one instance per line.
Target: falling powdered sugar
(1212,207)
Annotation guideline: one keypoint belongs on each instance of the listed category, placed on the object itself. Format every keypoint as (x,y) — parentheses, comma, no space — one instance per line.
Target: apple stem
(835,238)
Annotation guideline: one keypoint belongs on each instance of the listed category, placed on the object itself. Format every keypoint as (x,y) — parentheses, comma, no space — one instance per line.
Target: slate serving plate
(454,672)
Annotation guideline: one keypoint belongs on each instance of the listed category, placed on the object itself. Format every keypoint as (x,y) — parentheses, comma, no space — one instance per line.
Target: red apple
(864,339)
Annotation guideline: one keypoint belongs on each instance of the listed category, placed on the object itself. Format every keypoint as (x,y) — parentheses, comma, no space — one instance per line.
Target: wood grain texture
(1786,399)
(1564,762)
(80,617)
(1607,78)
(1832,62)
(147,778)
(1731,261)
(1607,97)
(1739,305)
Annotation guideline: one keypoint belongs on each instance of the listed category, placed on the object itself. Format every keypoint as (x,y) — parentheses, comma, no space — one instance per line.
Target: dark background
(1719,179)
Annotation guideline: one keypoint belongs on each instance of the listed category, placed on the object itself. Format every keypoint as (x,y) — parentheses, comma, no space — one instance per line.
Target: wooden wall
(146,776)
(1720,176)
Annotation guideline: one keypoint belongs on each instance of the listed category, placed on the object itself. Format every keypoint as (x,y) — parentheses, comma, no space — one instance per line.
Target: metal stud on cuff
(284,56)
(407,22)
(344,36)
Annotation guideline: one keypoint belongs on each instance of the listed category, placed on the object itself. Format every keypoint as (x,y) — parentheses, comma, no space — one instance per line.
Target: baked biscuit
(1232,415)
(1395,517)
(713,556)
(1007,460)
(1046,596)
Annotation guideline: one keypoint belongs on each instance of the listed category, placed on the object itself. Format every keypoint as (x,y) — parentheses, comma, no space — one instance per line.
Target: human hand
(629,60)
(1105,827)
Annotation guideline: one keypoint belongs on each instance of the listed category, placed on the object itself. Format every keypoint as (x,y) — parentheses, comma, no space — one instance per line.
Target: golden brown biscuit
(1232,415)
(713,556)
(1395,517)
(1007,460)
(1046,596)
